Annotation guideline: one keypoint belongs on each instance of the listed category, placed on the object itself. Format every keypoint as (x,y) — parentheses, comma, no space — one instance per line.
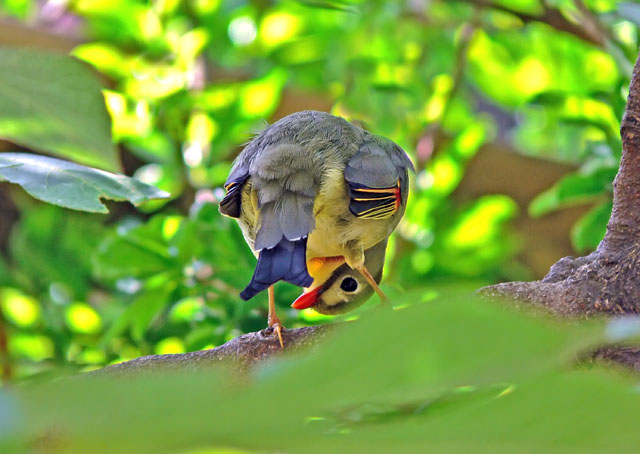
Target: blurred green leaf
(339,5)
(54,104)
(18,8)
(51,247)
(145,308)
(139,251)
(426,353)
(560,413)
(587,233)
(574,189)
(71,185)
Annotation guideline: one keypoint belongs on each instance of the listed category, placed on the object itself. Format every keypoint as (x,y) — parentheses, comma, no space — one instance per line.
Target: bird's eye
(349,284)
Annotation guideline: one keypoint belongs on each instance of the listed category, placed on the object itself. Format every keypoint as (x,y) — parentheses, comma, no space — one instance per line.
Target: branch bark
(240,354)
(15,33)
(247,351)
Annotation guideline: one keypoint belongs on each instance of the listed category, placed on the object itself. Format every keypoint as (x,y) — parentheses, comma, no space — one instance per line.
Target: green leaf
(417,356)
(71,185)
(52,245)
(590,228)
(430,353)
(145,308)
(53,104)
(139,314)
(569,412)
(574,189)
(140,251)
(331,5)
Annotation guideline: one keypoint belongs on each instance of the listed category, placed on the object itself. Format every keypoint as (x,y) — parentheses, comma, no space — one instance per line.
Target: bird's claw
(277,328)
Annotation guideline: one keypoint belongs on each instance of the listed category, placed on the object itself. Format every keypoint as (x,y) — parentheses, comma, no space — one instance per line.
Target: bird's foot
(273,321)
(275,326)
(374,285)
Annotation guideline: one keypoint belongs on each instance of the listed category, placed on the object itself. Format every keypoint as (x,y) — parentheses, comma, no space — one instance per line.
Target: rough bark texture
(628,357)
(240,353)
(606,281)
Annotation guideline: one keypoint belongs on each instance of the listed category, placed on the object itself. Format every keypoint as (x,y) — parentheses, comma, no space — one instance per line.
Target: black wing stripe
(230,205)
(373,203)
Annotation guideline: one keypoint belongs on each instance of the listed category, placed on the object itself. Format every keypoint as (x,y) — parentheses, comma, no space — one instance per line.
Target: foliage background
(188,82)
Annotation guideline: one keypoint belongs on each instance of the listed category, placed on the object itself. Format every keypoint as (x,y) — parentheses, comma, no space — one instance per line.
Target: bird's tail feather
(287,261)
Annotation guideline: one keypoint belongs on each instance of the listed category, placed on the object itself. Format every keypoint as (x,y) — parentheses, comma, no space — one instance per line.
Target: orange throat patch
(321,268)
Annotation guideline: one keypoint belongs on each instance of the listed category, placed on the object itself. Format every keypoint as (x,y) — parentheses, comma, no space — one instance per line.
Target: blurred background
(510,110)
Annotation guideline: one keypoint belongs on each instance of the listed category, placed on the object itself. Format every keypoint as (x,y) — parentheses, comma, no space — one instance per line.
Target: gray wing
(286,184)
(377,179)
(231,204)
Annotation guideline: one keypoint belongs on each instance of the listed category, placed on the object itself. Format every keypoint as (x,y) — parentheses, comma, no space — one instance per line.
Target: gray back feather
(286,181)
(380,163)
(372,167)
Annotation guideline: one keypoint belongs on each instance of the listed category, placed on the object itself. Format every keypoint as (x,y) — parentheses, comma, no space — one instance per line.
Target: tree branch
(240,353)
(14,33)
(624,226)
(554,18)
(246,351)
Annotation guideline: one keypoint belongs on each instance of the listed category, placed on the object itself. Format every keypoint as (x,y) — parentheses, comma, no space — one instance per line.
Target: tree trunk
(606,281)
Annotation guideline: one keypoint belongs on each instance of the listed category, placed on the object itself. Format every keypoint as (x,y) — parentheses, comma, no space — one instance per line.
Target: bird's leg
(273,320)
(372,282)
(355,259)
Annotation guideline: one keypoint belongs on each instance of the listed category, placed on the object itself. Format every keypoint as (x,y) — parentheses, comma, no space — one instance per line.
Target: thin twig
(552,17)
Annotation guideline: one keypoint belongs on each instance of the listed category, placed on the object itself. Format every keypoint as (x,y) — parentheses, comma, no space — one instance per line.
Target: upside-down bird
(316,198)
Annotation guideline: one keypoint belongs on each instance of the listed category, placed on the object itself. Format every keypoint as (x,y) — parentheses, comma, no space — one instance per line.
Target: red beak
(307,299)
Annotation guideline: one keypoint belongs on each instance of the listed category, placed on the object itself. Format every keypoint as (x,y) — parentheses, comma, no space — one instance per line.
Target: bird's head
(338,288)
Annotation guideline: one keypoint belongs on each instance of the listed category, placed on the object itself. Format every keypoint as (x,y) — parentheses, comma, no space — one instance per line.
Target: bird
(316,198)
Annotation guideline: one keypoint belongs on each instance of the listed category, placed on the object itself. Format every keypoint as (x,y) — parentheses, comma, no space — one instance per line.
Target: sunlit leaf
(82,318)
(169,346)
(35,347)
(19,308)
(53,103)
(259,98)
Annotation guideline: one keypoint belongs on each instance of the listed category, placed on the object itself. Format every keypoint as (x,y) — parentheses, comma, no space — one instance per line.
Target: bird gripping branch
(317,198)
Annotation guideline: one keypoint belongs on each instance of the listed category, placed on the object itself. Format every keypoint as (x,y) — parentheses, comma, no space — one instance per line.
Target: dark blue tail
(287,261)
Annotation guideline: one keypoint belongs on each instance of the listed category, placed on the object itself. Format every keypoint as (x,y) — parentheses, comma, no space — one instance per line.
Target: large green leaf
(561,413)
(52,103)
(415,356)
(72,185)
